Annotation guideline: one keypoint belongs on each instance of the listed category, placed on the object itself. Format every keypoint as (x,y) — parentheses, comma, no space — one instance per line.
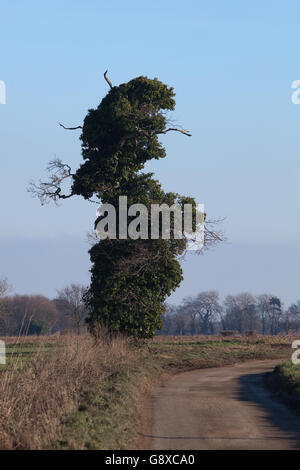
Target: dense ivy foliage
(130,278)
(121,135)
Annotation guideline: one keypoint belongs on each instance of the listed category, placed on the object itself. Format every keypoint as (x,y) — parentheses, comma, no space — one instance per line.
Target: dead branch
(51,189)
(107,79)
(183,131)
(70,128)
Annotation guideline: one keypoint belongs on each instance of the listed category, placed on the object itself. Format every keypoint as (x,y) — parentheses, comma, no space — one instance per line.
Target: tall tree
(130,278)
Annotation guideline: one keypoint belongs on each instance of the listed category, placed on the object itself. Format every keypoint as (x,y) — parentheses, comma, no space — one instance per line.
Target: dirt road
(221,408)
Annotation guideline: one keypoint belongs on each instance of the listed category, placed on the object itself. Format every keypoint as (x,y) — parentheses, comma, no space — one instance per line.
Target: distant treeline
(38,315)
(242,313)
(203,314)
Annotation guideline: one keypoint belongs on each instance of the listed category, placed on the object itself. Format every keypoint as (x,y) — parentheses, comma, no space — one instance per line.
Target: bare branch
(183,131)
(91,238)
(51,189)
(107,79)
(70,128)
(212,237)
(59,168)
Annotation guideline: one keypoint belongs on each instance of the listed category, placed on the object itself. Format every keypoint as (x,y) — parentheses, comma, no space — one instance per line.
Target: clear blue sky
(231,64)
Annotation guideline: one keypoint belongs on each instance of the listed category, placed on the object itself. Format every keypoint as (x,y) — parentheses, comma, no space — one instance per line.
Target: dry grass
(39,393)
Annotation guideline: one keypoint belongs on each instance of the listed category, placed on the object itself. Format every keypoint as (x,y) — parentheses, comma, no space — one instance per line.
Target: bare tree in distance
(292,316)
(263,307)
(198,314)
(5,288)
(241,314)
(75,307)
(206,306)
(275,314)
(28,314)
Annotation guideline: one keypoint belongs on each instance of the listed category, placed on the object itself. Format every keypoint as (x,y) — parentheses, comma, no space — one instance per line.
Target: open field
(68,392)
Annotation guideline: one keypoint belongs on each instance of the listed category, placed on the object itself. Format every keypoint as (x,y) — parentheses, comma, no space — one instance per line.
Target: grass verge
(284,383)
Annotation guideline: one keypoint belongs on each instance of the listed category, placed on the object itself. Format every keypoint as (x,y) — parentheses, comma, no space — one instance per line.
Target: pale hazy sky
(231,64)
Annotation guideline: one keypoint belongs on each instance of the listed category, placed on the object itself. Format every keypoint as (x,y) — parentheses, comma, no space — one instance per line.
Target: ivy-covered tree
(130,278)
